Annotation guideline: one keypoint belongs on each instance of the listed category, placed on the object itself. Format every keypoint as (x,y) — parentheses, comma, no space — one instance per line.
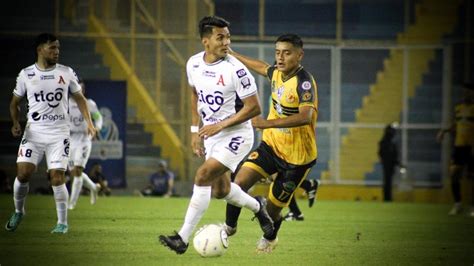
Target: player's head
(468,91)
(215,35)
(162,166)
(47,49)
(288,52)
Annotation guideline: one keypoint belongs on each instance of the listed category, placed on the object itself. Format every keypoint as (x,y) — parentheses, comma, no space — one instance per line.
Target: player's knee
(57,178)
(24,173)
(203,177)
(220,192)
(76,171)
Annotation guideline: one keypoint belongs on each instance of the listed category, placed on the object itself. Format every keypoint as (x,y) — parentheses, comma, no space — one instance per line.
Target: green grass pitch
(124,230)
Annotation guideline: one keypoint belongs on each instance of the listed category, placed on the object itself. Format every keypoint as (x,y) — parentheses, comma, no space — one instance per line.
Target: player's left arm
(96,115)
(82,104)
(251,108)
(302,118)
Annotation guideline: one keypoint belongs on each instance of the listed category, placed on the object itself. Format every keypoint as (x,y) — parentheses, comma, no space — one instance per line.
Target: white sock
(61,196)
(239,198)
(88,182)
(20,190)
(197,206)
(75,190)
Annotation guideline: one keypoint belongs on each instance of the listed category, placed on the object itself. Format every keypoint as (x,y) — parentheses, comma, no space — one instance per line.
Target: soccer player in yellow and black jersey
(288,146)
(463,154)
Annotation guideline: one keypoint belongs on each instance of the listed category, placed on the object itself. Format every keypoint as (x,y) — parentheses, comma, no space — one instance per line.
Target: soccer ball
(211,241)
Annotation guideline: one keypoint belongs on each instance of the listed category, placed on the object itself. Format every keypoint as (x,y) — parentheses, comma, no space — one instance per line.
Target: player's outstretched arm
(304,117)
(15,116)
(82,104)
(254,64)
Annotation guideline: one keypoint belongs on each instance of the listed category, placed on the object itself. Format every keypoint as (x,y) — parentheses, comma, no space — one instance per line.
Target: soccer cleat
(94,194)
(266,246)
(312,191)
(71,206)
(14,221)
(456,209)
(266,222)
(60,229)
(292,217)
(229,229)
(174,242)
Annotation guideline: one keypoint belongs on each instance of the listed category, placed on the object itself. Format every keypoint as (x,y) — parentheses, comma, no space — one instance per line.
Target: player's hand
(259,122)
(210,130)
(16,130)
(91,130)
(196,145)
(439,137)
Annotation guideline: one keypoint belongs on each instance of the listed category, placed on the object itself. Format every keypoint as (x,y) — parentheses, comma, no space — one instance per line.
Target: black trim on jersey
(293,74)
(270,71)
(238,103)
(286,110)
(303,76)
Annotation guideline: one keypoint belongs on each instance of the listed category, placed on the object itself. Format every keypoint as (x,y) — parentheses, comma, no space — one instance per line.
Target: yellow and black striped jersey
(464,115)
(295,145)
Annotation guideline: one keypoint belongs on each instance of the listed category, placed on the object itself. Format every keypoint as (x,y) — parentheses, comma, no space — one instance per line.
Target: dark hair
(44,38)
(291,38)
(468,86)
(208,23)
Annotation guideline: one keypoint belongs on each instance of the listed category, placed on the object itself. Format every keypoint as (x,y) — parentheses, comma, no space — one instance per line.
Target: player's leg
(61,197)
(29,154)
(455,174)
(200,199)
(295,213)
(311,188)
(281,192)
(57,157)
(238,198)
(75,188)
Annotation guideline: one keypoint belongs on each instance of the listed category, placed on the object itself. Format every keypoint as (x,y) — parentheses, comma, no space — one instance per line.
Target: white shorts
(80,150)
(230,147)
(35,144)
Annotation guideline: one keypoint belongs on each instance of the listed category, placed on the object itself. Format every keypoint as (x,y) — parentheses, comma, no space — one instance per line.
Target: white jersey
(47,93)
(77,122)
(220,87)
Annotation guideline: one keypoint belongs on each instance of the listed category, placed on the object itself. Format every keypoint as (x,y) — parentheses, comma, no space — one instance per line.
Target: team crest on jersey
(273,84)
(306,96)
(290,98)
(241,73)
(245,82)
(61,80)
(306,85)
(31,75)
(253,155)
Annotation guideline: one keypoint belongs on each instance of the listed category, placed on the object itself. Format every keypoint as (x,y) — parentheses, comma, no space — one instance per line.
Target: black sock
(306,185)
(456,188)
(294,207)
(276,225)
(232,214)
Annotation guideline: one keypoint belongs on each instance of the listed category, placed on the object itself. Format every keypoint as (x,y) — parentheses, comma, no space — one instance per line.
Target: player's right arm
(196,141)
(15,115)
(256,65)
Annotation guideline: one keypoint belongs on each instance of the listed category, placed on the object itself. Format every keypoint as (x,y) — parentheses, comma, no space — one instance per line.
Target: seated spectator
(95,174)
(161,182)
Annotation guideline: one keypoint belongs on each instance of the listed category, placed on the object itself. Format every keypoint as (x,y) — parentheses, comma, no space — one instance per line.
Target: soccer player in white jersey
(46,85)
(81,144)
(224,98)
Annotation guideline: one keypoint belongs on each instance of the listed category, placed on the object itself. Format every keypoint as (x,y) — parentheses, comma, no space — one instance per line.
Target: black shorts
(289,177)
(462,156)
